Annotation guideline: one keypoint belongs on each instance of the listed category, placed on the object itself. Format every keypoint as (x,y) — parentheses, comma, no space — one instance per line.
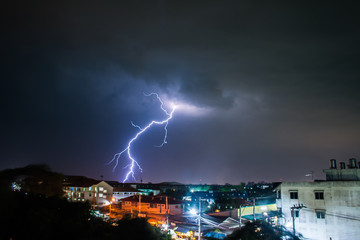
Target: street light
(112,200)
(193,211)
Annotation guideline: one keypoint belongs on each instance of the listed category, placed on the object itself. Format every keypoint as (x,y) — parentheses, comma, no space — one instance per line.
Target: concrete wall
(98,194)
(174,209)
(341,205)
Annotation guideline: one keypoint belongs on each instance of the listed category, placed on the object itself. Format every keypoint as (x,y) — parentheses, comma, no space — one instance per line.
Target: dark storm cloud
(280,80)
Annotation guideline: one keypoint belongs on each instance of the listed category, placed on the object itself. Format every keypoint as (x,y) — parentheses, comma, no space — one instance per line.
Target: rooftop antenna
(311,174)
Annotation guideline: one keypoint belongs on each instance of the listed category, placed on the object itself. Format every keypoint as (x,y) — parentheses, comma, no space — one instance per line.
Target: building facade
(153,205)
(322,209)
(81,189)
(124,192)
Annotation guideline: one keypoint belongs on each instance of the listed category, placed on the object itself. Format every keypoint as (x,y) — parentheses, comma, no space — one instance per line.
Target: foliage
(37,179)
(178,194)
(225,203)
(260,230)
(37,215)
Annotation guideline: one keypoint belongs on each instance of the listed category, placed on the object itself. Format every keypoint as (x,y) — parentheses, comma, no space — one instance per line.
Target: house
(124,192)
(327,209)
(153,204)
(81,189)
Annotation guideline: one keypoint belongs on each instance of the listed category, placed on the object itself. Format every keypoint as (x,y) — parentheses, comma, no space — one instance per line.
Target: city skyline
(269,91)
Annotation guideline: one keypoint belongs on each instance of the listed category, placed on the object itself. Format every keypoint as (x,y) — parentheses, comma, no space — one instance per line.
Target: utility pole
(296,206)
(239,214)
(167,211)
(254,217)
(199,237)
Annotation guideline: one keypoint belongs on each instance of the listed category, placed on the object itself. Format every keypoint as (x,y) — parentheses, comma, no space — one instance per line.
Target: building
(327,209)
(153,204)
(81,189)
(150,189)
(124,192)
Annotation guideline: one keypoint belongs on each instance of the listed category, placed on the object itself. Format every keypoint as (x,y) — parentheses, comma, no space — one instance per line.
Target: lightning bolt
(133,163)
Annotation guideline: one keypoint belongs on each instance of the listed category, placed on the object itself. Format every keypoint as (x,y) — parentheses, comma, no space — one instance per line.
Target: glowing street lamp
(193,211)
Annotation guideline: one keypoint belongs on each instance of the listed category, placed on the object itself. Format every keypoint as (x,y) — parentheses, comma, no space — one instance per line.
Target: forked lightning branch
(133,164)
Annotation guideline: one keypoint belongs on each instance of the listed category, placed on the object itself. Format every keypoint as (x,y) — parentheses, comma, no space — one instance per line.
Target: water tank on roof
(332,163)
(352,163)
(342,165)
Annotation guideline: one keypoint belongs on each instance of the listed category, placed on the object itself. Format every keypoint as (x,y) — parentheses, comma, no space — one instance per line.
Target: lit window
(83,189)
(294,195)
(320,214)
(100,194)
(101,188)
(319,195)
(90,188)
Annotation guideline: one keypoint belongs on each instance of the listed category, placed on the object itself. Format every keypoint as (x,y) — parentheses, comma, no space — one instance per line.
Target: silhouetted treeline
(41,213)
(260,230)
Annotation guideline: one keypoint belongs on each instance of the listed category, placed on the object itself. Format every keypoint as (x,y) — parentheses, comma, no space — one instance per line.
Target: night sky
(272,88)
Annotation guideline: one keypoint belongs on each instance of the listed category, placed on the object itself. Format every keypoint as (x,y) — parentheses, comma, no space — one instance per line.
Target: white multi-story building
(78,188)
(323,209)
(124,192)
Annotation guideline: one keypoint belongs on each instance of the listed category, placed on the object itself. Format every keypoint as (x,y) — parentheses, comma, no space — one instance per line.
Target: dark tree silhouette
(37,212)
(260,230)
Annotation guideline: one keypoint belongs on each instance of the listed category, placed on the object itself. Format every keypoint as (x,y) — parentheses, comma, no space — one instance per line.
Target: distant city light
(15,186)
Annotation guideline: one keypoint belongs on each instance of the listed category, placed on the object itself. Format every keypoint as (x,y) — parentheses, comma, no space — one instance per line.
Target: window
(294,195)
(101,188)
(296,213)
(320,214)
(319,195)
(278,194)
